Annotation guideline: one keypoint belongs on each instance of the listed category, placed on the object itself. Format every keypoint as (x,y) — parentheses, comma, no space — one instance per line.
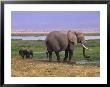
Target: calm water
(44,37)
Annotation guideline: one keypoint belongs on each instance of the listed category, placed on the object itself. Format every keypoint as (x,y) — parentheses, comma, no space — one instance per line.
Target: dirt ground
(43,68)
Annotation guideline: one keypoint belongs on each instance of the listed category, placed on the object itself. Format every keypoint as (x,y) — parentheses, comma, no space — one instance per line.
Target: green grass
(39,46)
(92,34)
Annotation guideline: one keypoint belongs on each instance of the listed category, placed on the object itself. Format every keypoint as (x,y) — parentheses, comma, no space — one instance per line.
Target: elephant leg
(71,49)
(66,56)
(23,56)
(50,56)
(27,56)
(31,56)
(58,56)
(70,55)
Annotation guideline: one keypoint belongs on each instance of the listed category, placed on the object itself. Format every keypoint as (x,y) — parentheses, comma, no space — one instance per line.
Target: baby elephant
(26,53)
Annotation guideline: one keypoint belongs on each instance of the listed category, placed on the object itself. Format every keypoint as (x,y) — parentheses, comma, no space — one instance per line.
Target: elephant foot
(58,60)
(71,62)
(88,59)
(50,60)
(22,57)
(64,60)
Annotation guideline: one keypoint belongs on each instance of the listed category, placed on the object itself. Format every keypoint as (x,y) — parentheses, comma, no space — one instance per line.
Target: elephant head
(77,37)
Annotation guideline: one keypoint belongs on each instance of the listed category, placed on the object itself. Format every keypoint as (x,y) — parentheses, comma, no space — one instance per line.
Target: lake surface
(44,37)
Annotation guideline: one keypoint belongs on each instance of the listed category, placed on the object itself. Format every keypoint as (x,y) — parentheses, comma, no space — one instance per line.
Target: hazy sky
(52,20)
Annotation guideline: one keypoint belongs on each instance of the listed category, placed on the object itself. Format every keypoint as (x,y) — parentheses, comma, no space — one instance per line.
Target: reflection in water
(44,37)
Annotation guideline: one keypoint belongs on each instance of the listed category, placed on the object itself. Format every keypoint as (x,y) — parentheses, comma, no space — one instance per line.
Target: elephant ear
(72,36)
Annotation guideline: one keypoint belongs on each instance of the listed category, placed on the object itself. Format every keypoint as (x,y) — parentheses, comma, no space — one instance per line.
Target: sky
(45,21)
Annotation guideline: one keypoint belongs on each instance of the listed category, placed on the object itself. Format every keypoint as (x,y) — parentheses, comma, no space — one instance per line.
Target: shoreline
(48,32)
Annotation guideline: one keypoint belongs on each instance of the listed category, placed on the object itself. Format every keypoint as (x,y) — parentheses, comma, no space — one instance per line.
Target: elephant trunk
(84,54)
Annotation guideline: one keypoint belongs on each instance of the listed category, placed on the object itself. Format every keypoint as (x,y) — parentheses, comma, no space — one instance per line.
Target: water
(28,37)
(44,37)
(91,37)
(87,62)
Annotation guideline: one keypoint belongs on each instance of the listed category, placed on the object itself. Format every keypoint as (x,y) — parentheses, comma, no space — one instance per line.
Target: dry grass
(37,68)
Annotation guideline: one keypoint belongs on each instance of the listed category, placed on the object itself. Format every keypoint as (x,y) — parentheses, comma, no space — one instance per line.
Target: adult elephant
(64,41)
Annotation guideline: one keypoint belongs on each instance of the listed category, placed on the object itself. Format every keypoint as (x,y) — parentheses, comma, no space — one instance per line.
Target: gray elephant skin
(23,52)
(64,41)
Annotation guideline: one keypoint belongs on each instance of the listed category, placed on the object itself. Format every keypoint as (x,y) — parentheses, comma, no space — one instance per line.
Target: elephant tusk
(84,46)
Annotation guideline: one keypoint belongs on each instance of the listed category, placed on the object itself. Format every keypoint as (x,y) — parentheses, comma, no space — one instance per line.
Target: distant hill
(49,30)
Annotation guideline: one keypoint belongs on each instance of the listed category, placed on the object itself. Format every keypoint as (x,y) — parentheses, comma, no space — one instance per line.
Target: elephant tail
(47,54)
